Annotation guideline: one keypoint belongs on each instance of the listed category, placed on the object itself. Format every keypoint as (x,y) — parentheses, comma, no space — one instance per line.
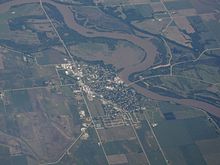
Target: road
(67,149)
(170,58)
(73,62)
(194,60)
(155,137)
(170,15)
(168,75)
(71,23)
(139,141)
(99,138)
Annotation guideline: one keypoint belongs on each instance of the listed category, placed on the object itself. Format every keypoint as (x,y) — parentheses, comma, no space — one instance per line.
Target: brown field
(22,37)
(39,133)
(153,26)
(184,24)
(43,25)
(212,159)
(208,17)
(210,149)
(157,7)
(176,155)
(123,52)
(185,12)
(51,56)
(117,133)
(18,74)
(16,146)
(28,7)
(96,19)
(9,12)
(48,129)
(209,146)
(117,159)
(96,108)
(40,25)
(136,158)
(174,33)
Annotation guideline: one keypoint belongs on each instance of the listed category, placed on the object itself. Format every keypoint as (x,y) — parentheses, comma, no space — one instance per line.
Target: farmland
(109,82)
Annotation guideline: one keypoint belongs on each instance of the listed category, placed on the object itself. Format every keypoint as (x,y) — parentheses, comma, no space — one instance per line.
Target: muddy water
(187,102)
(145,44)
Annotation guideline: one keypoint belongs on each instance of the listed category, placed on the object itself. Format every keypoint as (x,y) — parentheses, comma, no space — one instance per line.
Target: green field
(183,135)
(85,152)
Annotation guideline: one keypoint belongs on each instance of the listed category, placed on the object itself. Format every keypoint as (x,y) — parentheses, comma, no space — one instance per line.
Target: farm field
(105,82)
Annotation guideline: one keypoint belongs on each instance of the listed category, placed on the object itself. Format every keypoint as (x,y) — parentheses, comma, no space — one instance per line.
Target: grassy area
(150,145)
(214,27)
(200,128)
(51,56)
(183,139)
(180,111)
(6,159)
(19,101)
(177,5)
(19,160)
(137,12)
(205,72)
(2,108)
(21,72)
(15,12)
(192,155)
(184,87)
(85,152)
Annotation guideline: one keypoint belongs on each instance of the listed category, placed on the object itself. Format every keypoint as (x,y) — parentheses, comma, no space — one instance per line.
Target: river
(143,43)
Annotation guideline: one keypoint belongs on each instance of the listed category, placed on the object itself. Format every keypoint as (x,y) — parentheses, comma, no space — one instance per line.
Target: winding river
(143,43)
